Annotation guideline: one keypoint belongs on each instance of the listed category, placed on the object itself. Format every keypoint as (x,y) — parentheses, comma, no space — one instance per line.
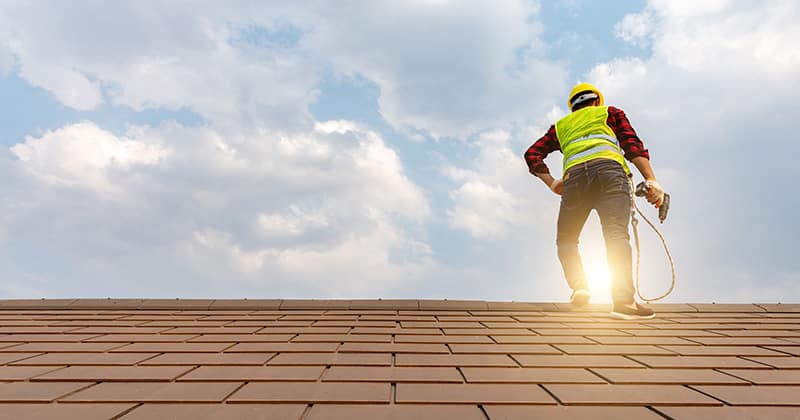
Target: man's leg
(613,207)
(572,215)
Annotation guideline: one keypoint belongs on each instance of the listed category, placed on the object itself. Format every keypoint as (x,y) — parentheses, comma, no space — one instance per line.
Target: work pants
(602,185)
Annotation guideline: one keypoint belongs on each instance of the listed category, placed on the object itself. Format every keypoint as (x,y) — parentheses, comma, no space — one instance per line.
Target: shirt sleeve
(539,150)
(631,143)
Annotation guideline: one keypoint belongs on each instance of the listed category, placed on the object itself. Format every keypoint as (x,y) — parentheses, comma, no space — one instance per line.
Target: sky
(350,149)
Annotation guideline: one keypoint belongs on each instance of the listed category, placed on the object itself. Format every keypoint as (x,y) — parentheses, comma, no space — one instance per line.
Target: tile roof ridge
(364,304)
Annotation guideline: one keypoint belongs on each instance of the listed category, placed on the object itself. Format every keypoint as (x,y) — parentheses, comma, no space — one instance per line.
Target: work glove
(655,195)
(557,186)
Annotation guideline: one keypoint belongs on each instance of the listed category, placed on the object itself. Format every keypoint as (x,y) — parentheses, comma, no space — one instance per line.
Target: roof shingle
(399,359)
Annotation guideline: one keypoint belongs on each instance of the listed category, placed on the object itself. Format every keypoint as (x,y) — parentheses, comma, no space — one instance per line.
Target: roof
(398,359)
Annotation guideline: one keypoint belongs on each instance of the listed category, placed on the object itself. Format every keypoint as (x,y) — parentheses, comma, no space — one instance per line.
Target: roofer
(596,140)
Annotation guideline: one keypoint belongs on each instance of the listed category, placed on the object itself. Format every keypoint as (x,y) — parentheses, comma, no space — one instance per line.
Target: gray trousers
(602,185)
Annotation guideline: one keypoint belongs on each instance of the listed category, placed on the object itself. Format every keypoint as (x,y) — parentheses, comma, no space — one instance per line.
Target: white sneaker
(580,297)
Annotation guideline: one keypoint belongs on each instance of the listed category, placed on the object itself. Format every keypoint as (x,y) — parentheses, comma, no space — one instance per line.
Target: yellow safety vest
(585,135)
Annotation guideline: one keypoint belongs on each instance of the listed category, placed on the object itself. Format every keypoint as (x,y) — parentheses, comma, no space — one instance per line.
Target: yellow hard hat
(583,88)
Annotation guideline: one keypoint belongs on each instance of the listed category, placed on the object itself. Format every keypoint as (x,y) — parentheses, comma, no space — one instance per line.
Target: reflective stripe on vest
(593,136)
(593,151)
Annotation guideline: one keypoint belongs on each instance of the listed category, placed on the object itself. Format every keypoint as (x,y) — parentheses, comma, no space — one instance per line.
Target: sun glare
(599,280)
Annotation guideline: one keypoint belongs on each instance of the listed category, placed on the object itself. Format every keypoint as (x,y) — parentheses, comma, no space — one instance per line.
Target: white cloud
(363,265)
(482,210)
(294,222)
(7,60)
(175,60)
(448,70)
(263,200)
(711,103)
(493,196)
(84,155)
(636,28)
(246,208)
(71,87)
(711,57)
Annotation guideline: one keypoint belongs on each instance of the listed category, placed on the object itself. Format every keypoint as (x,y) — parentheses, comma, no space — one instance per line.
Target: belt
(592,164)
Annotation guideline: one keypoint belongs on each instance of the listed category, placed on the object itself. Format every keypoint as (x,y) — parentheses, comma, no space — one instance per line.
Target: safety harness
(635,224)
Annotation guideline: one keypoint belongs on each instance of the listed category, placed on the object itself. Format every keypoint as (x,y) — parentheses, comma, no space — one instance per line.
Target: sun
(599,280)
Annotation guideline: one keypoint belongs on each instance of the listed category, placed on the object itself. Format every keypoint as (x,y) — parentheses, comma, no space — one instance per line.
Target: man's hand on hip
(557,186)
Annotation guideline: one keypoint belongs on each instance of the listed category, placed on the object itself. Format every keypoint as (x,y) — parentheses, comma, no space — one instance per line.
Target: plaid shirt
(617,120)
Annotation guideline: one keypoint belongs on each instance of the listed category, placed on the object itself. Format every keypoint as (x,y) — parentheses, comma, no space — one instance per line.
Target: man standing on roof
(596,140)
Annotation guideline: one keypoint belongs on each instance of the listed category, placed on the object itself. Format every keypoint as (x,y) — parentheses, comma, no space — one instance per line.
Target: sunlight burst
(599,280)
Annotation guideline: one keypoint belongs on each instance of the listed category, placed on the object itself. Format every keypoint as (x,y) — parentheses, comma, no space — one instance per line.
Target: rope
(635,224)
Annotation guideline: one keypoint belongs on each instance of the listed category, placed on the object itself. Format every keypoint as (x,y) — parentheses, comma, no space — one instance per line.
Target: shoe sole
(580,299)
(627,317)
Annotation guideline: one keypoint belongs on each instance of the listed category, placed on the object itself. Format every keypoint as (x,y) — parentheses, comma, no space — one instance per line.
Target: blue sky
(375,150)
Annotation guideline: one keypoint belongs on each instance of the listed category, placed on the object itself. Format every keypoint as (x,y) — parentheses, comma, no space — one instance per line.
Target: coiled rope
(635,224)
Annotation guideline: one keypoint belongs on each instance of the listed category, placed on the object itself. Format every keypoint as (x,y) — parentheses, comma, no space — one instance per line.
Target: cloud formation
(711,103)
(291,209)
(262,199)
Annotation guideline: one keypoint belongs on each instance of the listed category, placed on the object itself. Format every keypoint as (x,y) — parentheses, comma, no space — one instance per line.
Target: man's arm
(556,185)
(656,194)
(643,165)
(535,155)
(635,152)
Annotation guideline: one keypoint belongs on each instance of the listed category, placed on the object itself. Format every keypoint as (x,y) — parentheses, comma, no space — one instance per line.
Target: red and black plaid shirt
(617,120)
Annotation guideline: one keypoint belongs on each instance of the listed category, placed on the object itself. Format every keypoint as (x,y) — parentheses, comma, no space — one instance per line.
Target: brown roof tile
(710,362)
(667,376)
(21,373)
(401,359)
(172,347)
(37,391)
(232,359)
(152,392)
(503,349)
(52,338)
(395,412)
(283,348)
(577,361)
(324,392)
(510,412)
(333,359)
(778,362)
(140,338)
(391,374)
(393,348)
(342,338)
(13,357)
(113,374)
(473,393)
(629,395)
(23,411)
(254,373)
(767,377)
(241,338)
(61,347)
(611,349)
(87,359)
(433,339)
(454,360)
(730,413)
(777,395)
(795,351)
(531,375)
(541,339)
(723,351)
(217,411)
